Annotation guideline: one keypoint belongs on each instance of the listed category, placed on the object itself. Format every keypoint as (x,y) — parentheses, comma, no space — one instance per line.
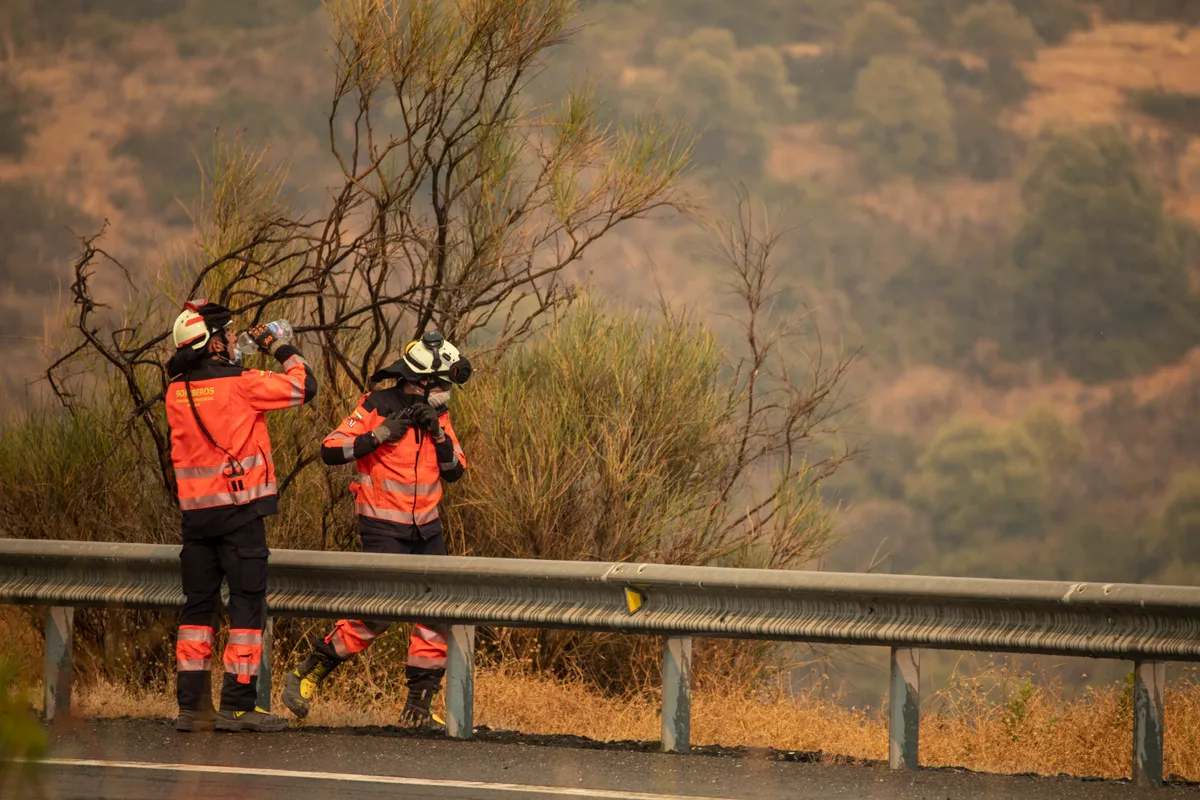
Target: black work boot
(301,683)
(193,720)
(418,711)
(256,721)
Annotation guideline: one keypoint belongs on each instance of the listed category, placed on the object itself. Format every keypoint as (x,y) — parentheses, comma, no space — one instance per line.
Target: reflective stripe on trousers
(243,653)
(193,648)
(426,648)
(350,637)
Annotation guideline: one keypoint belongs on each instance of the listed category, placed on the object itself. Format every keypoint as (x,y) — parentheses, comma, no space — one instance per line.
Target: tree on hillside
(981,486)
(1055,20)
(761,22)
(1004,39)
(995,31)
(1173,546)
(936,17)
(877,30)
(903,121)
(731,96)
(1060,443)
(1181,518)
(1101,284)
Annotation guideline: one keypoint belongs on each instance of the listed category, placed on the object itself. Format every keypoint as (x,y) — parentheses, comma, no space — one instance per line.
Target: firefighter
(226,486)
(405,446)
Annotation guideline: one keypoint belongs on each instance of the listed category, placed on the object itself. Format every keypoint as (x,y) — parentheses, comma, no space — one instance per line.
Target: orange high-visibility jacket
(399,484)
(229,481)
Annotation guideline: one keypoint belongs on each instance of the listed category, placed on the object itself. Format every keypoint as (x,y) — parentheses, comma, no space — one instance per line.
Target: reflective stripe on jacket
(238,470)
(400,482)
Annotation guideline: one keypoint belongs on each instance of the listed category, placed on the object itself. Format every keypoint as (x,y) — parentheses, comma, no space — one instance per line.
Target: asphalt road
(148,760)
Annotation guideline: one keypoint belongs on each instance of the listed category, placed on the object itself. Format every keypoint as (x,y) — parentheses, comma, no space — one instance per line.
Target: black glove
(425,416)
(265,338)
(393,427)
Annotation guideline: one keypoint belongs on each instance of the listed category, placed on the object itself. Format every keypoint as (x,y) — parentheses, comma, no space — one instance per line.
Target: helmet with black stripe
(429,358)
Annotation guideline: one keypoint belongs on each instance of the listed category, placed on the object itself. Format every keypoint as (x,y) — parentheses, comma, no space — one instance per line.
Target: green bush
(1055,20)
(936,17)
(1178,542)
(605,441)
(826,84)
(949,295)
(1060,443)
(981,487)
(995,31)
(1101,286)
(879,29)
(903,121)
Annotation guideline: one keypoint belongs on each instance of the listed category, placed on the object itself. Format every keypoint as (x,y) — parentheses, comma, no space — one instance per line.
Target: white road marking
(559,791)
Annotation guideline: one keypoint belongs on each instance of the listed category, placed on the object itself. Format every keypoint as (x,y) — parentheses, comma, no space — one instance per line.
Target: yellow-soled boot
(301,684)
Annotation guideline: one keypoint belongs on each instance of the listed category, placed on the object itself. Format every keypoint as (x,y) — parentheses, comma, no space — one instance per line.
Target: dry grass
(981,723)
(925,397)
(1084,80)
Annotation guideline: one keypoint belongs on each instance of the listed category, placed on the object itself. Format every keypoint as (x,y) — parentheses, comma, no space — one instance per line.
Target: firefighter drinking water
(404,446)
(226,486)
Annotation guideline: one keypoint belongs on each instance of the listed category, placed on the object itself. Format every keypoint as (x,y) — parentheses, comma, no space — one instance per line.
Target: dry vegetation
(990,722)
(996,719)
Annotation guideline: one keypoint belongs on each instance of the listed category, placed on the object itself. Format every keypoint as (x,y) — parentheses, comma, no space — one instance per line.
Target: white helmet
(431,356)
(198,321)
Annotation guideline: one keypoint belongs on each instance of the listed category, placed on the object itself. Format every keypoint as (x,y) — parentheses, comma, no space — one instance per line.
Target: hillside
(905,143)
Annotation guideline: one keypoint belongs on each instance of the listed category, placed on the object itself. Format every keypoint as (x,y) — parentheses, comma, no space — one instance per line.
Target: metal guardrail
(1147,624)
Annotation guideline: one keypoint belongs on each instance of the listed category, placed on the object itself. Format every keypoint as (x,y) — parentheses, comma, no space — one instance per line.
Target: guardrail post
(59,662)
(677,694)
(904,713)
(263,700)
(460,682)
(1148,680)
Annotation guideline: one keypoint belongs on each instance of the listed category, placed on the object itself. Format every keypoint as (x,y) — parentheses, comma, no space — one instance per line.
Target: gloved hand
(425,416)
(393,427)
(265,338)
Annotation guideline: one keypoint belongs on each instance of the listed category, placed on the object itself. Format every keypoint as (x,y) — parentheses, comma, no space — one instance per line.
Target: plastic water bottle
(280,327)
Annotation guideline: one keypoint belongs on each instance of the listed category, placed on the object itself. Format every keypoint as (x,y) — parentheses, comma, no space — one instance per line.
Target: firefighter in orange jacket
(226,485)
(405,446)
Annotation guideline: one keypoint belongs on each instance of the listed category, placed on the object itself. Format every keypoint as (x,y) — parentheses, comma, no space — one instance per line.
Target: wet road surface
(148,760)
